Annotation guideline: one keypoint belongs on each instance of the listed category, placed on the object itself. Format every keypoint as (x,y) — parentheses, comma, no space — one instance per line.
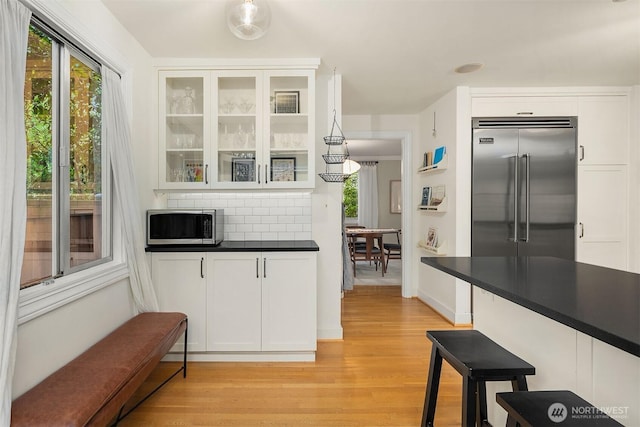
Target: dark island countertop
(243,246)
(601,302)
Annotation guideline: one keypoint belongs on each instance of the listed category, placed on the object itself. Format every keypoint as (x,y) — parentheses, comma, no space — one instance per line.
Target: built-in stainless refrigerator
(524,187)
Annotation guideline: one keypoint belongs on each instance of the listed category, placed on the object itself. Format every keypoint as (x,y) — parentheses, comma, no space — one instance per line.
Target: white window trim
(48,296)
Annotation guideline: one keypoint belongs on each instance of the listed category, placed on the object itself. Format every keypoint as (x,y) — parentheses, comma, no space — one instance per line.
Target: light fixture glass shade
(350,167)
(248,19)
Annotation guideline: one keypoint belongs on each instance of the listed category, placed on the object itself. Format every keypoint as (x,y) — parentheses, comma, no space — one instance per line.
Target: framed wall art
(283,169)
(287,102)
(243,170)
(395,196)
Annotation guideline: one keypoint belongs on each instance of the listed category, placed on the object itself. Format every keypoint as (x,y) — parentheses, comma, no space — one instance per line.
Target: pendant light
(248,19)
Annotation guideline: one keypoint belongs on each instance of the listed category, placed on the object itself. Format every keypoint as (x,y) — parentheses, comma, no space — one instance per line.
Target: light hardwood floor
(376,376)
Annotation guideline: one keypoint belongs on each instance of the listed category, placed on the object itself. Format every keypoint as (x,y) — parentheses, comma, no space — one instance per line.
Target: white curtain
(118,138)
(368,194)
(14,31)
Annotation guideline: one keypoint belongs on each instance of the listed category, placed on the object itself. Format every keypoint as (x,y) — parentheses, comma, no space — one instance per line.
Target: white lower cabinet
(262,301)
(179,279)
(242,303)
(603,216)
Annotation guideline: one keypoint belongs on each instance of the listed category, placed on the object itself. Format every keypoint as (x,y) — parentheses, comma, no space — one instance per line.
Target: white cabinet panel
(603,130)
(602,215)
(289,301)
(234,302)
(523,106)
(180,285)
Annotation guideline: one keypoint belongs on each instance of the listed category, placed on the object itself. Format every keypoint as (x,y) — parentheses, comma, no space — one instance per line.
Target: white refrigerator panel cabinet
(603,130)
(603,216)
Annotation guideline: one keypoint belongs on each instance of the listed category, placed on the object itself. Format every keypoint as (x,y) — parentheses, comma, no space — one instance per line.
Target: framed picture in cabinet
(243,170)
(287,102)
(283,169)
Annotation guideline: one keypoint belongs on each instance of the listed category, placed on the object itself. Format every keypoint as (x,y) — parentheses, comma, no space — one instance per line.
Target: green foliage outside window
(350,196)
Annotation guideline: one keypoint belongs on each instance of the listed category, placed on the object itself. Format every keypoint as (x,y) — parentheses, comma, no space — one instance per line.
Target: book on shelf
(431,240)
(437,195)
(438,154)
(426,196)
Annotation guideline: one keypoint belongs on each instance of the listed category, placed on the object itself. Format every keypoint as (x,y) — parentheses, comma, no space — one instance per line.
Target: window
(350,196)
(68,216)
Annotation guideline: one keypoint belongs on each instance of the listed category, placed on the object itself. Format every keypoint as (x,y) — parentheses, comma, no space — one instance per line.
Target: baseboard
(456,319)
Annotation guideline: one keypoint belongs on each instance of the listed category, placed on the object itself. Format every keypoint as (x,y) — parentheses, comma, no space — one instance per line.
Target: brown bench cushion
(91,389)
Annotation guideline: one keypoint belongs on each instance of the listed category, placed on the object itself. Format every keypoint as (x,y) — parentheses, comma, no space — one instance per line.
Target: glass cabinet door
(289,129)
(237,108)
(182,130)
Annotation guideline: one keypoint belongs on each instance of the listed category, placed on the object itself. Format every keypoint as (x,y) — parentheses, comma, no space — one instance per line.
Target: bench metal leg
(433,381)
(182,369)
(184,362)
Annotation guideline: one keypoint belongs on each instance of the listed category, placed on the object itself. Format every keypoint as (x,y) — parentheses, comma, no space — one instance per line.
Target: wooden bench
(93,388)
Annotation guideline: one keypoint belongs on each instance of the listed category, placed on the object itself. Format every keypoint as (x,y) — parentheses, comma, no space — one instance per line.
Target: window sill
(44,298)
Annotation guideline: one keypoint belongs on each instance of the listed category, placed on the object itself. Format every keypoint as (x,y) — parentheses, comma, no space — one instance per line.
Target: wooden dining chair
(393,250)
(371,251)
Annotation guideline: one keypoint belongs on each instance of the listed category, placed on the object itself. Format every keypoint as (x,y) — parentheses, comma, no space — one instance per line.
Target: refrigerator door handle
(515,198)
(527,199)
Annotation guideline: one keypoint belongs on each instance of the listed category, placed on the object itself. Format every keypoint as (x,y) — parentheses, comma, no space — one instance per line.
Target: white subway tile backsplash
(255,216)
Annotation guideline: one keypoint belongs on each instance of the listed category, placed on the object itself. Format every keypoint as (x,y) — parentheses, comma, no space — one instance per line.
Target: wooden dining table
(370,235)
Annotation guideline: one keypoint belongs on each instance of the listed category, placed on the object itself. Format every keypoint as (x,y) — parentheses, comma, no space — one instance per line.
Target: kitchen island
(577,323)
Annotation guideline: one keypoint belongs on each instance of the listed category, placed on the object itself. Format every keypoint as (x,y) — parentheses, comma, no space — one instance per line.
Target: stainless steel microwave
(185,226)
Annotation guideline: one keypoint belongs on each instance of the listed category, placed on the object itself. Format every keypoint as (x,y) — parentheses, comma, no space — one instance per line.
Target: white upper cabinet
(523,106)
(603,130)
(231,129)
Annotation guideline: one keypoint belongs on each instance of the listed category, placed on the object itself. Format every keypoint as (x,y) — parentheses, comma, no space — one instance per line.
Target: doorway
(388,147)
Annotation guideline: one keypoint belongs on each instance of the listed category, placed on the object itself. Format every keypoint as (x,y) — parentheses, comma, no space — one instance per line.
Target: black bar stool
(551,408)
(478,359)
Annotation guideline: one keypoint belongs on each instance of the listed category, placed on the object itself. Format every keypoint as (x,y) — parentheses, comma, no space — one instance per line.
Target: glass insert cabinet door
(236,104)
(289,130)
(183,129)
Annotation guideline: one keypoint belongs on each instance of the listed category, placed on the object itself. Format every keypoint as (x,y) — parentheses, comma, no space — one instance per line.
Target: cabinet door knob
(266,174)
(258,174)
(257,268)
(264,268)
(202,267)
(206,174)
(581,152)
(581,230)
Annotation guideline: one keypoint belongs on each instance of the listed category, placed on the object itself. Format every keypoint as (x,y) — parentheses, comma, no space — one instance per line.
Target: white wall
(449,296)
(49,341)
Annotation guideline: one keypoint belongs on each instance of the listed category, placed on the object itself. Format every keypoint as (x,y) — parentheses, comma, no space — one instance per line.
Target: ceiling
(398,56)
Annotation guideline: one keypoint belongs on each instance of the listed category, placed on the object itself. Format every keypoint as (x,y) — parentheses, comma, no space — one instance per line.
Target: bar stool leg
(433,381)
(519,383)
(469,398)
(511,422)
(482,404)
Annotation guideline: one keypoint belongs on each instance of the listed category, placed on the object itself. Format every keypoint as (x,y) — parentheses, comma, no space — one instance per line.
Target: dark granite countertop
(243,246)
(597,301)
